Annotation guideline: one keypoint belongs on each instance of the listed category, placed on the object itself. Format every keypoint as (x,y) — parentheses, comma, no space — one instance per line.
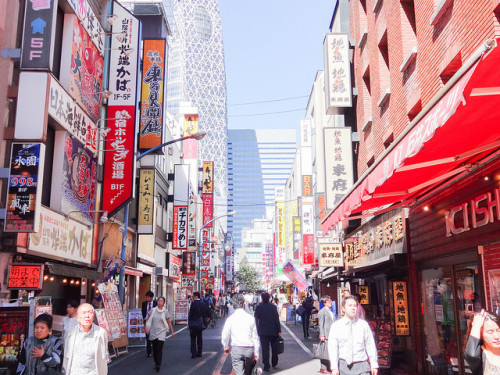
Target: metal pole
(122,255)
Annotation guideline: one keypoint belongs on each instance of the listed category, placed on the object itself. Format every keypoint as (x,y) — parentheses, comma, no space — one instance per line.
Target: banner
(187,281)
(208,213)
(308,248)
(296,277)
(25,187)
(89,20)
(181,309)
(153,80)
(330,255)
(179,237)
(173,266)
(190,146)
(337,72)
(145,216)
(280,222)
(135,324)
(188,263)
(38,37)
(208,177)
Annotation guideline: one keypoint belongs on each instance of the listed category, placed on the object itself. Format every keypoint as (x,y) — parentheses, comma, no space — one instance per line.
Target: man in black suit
(198,311)
(147,306)
(268,328)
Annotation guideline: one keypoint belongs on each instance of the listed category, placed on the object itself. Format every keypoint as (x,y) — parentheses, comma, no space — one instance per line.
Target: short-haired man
(325,321)
(147,306)
(70,320)
(269,329)
(241,331)
(351,346)
(86,346)
(198,312)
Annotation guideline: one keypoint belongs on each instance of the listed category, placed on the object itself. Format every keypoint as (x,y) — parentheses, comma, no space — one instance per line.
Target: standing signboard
(114,314)
(14,324)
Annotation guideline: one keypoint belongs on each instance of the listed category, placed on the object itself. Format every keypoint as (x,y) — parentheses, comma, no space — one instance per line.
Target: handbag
(197,325)
(280,345)
(300,310)
(320,351)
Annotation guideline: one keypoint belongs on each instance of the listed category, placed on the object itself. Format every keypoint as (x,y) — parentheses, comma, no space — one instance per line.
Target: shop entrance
(450,296)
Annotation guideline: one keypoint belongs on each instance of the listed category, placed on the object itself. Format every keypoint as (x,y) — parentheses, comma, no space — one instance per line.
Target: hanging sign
(330,255)
(401,316)
(364,293)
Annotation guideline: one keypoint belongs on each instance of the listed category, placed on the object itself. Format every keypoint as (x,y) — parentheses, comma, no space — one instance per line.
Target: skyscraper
(258,161)
(196,74)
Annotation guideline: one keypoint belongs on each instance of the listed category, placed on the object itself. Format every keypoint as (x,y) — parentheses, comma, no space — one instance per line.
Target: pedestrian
(70,320)
(41,353)
(351,346)
(482,351)
(325,321)
(268,325)
(86,346)
(239,337)
(308,307)
(197,317)
(147,306)
(158,325)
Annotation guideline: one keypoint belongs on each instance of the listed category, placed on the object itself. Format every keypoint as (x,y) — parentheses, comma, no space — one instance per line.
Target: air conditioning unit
(159,271)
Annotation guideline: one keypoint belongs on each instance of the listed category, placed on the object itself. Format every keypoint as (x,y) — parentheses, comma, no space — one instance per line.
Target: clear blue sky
(273,49)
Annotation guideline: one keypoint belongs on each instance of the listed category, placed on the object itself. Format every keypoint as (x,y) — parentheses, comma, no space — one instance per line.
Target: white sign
(338,164)
(89,22)
(281,255)
(307,215)
(123,57)
(330,255)
(337,72)
(61,238)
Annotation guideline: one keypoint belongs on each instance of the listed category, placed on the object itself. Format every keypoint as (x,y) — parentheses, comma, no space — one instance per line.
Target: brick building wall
(394,83)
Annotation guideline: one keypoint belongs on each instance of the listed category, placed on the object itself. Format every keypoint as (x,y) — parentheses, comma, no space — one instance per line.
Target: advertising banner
(190,146)
(181,309)
(188,281)
(208,177)
(280,222)
(307,186)
(296,277)
(113,308)
(308,248)
(174,266)
(297,236)
(153,81)
(119,164)
(401,317)
(145,217)
(89,20)
(38,37)
(337,72)
(61,238)
(24,190)
(135,324)
(205,249)
(14,323)
(330,255)
(208,213)
(25,276)
(188,262)
(179,240)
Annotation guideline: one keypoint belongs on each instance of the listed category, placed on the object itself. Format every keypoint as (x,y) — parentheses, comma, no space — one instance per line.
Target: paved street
(297,358)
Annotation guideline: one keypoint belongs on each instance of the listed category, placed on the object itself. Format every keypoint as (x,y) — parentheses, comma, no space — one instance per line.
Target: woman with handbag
(41,353)
(325,320)
(157,327)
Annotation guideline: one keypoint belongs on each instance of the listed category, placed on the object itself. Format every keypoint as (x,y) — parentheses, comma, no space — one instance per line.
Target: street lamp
(200,244)
(196,136)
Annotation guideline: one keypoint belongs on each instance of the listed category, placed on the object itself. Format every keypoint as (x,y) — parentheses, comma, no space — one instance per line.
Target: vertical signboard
(188,263)
(280,222)
(330,255)
(401,316)
(307,186)
(153,81)
(89,21)
(119,164)
(25,186)
(307,221)
(320,206)
(179,240)
(38,36)
(190,146)
(297,236)
(208,177)
(339,174)
(174,267)
(205,251)
(145,215)
(208,209)
(337,72)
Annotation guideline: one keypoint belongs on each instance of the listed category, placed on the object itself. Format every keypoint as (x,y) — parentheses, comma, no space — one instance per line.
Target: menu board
(14,322)
(113,307)
(181,310)
(381,329)
(103,322)
(135,324)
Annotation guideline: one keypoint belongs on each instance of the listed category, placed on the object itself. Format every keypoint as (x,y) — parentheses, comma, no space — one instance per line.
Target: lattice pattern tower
(196,74)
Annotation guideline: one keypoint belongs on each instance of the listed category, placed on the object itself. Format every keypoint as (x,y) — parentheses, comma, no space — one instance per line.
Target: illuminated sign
(25,276)
(401,316)
(179,240)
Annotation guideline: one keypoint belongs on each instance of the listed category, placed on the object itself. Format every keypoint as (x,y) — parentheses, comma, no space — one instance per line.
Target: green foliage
(248,276)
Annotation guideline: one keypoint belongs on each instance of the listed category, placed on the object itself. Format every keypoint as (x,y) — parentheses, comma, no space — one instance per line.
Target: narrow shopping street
(297,358)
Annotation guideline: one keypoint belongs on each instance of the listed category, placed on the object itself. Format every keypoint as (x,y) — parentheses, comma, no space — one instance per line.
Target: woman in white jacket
(157,326)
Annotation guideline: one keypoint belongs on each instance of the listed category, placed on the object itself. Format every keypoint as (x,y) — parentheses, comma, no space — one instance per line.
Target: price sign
(187,281)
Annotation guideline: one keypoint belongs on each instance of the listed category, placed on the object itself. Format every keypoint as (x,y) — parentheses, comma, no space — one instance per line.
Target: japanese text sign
(208,177)
(190,146)
(146,201)
(280,223)
(296,277)
(330,255)
(401,316)
(179,240)
(24,189)
(308,248)
(153,80)
(89,21)
(208,202)
(174,266)
(188,262)
(38,37)
(187,281)
(364,294)
(337,72)
(25,276)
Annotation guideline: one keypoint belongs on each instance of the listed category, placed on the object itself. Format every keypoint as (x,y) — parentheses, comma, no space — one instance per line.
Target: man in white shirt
(240,329)
(351,345)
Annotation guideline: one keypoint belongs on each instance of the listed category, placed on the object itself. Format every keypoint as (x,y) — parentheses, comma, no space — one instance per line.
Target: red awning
(460,129)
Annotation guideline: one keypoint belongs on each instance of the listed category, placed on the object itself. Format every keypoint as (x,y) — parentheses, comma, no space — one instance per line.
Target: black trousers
(148,345)
(157,351)
(196,341)
(305,324)
(265,342)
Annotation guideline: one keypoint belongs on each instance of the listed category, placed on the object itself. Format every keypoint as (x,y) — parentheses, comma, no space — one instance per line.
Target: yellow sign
(364,293)
(401,321)
(146,200)
(190,125)
(208,177)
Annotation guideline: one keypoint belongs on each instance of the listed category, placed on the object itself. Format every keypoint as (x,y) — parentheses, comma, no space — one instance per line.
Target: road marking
(206,358)
(306,349)
(220,363)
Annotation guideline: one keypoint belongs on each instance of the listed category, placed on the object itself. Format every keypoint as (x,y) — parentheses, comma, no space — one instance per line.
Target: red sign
(205,249)
(179,240)
(308,246)
(208,212)
(25,276)
(119,163)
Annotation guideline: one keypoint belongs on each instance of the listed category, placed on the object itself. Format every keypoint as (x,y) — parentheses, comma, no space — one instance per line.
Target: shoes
(193,356)
(148,355)
(199,355)
(324,372)
(157,368)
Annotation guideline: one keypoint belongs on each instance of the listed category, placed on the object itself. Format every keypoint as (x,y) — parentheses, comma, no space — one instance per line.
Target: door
(450,295)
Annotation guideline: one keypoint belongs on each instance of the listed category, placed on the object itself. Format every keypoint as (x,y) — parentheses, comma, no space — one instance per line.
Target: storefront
(455,241)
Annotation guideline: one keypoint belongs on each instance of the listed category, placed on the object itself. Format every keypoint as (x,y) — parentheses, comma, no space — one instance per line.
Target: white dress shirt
(240,329)
(352,341)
